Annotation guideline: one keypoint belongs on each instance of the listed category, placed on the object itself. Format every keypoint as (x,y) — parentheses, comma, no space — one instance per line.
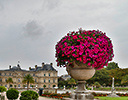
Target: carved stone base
(113,95)
(82,96)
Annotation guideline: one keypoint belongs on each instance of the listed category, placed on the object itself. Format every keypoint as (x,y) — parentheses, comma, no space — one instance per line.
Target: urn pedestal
(81,72)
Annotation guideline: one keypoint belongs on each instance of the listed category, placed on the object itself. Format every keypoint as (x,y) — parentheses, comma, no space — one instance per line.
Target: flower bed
(56,96)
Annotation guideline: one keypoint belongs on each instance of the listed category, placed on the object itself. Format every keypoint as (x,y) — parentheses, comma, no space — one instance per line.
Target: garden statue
(113,93)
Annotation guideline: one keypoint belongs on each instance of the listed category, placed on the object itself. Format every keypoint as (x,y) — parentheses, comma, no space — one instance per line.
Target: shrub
(29,95)
(97,84)
(2,89)
(12,94)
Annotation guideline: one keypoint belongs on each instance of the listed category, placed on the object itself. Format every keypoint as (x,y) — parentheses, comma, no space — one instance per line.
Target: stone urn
(81,72)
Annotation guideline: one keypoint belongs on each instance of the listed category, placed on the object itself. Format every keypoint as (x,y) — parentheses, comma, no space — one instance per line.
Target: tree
(9,80)
(44,86)
(101,76)
(28,79)
(124,80)
(112,65)
(61,83)
(12,94)
(72,82)
(2,88)
(97,84)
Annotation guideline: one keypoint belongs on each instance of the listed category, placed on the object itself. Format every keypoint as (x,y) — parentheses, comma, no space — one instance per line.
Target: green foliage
(9,80)
(12,94)
(2,89)
(72,81)
(44,86)
(97,84)
(29,95)
(112,65)
(125,80)
(112,98)
(101,76)
(28,79)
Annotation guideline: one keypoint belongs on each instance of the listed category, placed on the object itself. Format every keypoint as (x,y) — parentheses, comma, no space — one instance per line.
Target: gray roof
(46,67)
(15,68)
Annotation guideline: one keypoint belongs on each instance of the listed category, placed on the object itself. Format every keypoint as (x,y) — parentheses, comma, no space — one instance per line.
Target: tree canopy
(28,79)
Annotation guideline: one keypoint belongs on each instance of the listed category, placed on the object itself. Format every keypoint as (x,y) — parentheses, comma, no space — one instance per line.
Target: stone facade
(42,75)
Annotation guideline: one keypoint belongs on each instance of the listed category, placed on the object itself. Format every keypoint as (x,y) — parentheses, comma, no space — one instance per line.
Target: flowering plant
(91,47)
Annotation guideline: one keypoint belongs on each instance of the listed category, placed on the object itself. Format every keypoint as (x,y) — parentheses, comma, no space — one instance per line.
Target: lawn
(112,98)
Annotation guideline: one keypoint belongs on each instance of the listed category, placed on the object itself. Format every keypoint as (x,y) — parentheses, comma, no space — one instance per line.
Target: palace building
(44,76)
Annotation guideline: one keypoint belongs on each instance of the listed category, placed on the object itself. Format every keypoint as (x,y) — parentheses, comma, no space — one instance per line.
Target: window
(18,85)
(10,74)
(44,81)
(53,80)
(49,86)
(35,80)
(6,85)
(44,74)
(0,80)
(5,74)
(49,80)
(33,74)
(49,74)
(10,85)
(0,74)
(5,80)
(19,80)
(53,74)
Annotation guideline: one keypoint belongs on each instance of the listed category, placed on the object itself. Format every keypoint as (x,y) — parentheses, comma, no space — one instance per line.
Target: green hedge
(2,89)
(29,95)
(12,94)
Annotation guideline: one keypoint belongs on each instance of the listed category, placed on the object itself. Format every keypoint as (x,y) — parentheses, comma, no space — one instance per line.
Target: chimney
(51,64)
(42,64)
(9,66)
(29,68)
(35,66)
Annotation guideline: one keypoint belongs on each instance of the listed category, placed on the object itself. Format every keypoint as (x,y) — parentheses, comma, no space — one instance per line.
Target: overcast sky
(30,29)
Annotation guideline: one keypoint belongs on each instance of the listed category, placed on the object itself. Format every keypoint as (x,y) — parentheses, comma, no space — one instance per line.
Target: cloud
(1,7)
(33,29)
(51,4)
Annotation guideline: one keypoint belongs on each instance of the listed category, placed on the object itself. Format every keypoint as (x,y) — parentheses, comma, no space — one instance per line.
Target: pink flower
(92,47)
